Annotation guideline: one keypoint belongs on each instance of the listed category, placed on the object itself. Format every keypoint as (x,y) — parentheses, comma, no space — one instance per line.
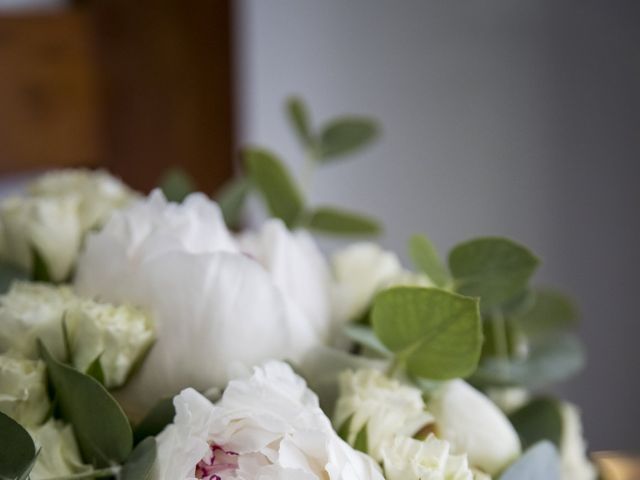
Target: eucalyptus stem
(102,473)
(308,171)
(500,338)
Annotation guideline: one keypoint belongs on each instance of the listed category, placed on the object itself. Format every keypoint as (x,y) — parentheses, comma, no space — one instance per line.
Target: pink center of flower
(216,463)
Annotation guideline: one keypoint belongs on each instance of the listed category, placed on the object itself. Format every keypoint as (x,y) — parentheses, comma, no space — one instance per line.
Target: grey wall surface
(501,117)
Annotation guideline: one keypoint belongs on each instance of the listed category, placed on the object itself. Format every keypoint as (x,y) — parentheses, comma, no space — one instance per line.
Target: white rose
(405,458)
(385,406)
(58,454)
(98,193)
(474,425)
(23,389)
(268,426)
(119,335)
(49,226)
(213,305)
(30,311)
(360,271)
(574,461)
(53,217)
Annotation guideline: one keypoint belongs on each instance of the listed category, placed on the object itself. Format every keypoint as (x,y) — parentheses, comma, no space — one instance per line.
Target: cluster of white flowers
(116,335)
(54,216)
(204,307)
(466,423)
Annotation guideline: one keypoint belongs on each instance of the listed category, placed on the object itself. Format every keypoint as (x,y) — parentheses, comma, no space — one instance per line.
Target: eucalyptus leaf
(341,222)
(153,423)
(361,442)
(365,336)
(551,312)
(558,358)
(345,135)
(139,465)
(425,257)
(494,269)
(276,185)
(17,450)
(298,117)
(101,427)
(8,274)
(176,184)
(232,198)
(437,333)
(540,419)
(343,431)
(540,462)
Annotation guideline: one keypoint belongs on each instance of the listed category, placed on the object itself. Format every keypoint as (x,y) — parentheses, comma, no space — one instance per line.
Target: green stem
(500,336)
(105,472)
(307,172)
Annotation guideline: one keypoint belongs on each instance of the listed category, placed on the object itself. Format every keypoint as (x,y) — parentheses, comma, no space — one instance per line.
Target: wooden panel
(49,109)
(166,68)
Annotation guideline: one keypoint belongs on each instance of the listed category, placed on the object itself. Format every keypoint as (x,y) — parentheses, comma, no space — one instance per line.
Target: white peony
(30,311)
(405,458)
(213,304)
(58,453)
(474,425)
(385,406)
(118,335)
(23,389)
(574,462)
(360,271)
(268,426)
(52,219)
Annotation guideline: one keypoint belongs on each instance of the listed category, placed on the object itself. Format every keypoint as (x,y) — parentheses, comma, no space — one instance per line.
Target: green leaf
(9,273)
(341,222)
(94,370)
(101,427)
(40,271)
(17,451)
(361,442)
(550,312)
(231,198)
(346,135)
(343,431)
(494,269)
(425,258)
(364,335)
(437,333)
(538,420)
(176,184)
(298,117)
(556,359)
(139,465)
(276,185)
(539,462)
(153,423)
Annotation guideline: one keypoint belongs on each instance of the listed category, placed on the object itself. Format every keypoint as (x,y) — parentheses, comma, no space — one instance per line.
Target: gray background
(501,117)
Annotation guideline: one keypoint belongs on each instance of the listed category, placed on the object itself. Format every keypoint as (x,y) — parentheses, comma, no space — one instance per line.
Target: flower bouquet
(152,338)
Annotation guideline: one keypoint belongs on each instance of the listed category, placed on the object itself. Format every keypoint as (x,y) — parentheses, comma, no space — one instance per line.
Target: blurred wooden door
(136,87)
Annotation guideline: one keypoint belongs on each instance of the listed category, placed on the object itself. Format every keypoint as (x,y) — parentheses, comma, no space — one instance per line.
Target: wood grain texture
(136,87)
(49,105)
(167,86)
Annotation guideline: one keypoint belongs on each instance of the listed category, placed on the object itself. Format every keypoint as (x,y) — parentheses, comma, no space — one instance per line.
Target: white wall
(501,117)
